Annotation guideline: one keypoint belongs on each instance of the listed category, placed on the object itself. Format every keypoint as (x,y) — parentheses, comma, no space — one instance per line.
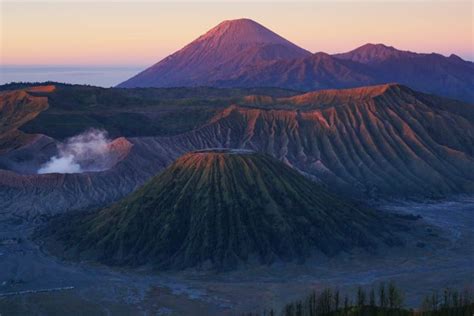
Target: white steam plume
(88,151)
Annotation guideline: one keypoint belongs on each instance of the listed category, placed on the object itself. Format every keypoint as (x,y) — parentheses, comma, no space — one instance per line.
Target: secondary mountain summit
(243,53)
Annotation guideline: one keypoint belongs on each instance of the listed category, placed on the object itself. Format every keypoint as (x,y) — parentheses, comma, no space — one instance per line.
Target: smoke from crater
(88,151)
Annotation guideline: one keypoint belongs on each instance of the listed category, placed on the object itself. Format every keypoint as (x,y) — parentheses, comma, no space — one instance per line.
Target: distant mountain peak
(377,46)
(373,53)
(242,31)
(244,53)
(456,58)
(219,53)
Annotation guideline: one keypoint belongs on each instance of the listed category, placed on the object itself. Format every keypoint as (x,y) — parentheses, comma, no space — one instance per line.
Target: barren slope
(16,108)
(223,50)
(380,141)
(243,53)
(433,73)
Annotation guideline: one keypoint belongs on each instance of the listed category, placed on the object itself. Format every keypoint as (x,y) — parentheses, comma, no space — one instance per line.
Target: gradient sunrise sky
(142,33)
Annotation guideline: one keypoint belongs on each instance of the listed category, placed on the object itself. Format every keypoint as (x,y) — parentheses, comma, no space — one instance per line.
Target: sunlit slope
(16,108)
(380,140)
(377,141)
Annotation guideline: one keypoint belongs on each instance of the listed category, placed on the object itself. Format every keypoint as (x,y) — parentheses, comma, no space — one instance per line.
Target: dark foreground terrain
(219,208)
(373,143)
(33,282)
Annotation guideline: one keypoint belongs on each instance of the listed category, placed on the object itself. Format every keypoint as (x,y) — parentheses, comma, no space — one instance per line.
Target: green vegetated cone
(219,209)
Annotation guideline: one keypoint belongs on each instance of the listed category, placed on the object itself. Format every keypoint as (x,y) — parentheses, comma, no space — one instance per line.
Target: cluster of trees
(383,300)
(330,301)
(449,302)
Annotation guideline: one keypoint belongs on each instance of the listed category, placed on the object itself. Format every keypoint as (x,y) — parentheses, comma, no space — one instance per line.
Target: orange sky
(141,33)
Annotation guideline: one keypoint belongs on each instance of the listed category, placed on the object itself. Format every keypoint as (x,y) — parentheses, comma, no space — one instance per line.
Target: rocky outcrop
(16,108)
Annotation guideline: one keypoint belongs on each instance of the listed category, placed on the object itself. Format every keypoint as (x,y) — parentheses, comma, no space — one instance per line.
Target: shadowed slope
(314,72)
(221,208)
(433,73)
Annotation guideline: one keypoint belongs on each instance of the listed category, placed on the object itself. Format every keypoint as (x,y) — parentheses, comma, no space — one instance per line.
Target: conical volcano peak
(377,47)
(243,31)
(221,208)
(373,53)
(220,53)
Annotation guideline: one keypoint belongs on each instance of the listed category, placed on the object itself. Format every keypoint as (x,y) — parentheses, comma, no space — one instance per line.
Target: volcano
(219,208)
(243,53)
(385,141)
(225,49)
(434,73)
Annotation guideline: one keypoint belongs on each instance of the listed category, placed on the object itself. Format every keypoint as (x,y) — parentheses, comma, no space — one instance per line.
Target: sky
(134,33)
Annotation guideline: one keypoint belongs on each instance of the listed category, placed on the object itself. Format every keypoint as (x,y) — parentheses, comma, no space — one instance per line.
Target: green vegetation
(131,112)
(219,209)
(384,300)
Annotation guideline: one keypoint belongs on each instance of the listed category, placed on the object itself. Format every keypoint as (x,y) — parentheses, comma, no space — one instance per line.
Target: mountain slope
(314,72)
(370,64)
(374,53)
(380,141)
(17,108)
(450,76)
(220,208)
(226,48)
(243,53)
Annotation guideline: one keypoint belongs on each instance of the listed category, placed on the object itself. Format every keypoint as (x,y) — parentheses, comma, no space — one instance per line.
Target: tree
(434,301)
(336,300)
(289,310)
(360,296)
(372,297)
(466,297)
(346,302)
(382,295)
(426,305)
(455,298)
(395,299)
(446,298)
(325,301)
(299,309)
